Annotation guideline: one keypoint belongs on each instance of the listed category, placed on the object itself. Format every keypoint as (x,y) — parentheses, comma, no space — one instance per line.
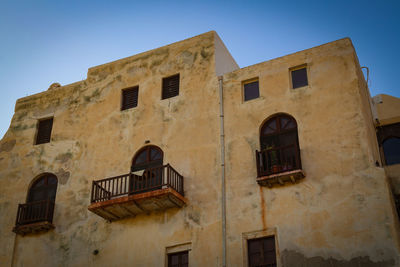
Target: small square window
(170,86)
(130,98)
(251,90)
(179,259)
(299,77)
(44,131)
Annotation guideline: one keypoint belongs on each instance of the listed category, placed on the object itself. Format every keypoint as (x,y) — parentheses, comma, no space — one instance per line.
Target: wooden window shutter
(44,131)
(261,252)
(130,98)
(170,86)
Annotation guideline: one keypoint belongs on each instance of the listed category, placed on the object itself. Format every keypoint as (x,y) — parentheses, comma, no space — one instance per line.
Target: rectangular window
(251,90)
(261,251)
(170,86)
(299,77)
(130,98)
(44,131)
(179,259)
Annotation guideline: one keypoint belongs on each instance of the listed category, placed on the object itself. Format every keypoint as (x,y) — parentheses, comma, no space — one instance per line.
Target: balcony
(127,195)
(277,166)
(34,217)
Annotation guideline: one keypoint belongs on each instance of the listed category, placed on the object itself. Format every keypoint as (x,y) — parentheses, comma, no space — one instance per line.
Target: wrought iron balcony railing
(33,212)
(128,184)
(277,160)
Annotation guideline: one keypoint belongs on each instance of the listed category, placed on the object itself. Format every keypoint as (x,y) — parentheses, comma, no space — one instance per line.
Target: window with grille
(130,98)
(251,90)
(180,259)
(261,252)
(44,128)
(299,77)
(170,86)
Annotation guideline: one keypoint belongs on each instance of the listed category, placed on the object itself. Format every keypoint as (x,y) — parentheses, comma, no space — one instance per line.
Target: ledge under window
(34,217)
(33,228)
(281,178)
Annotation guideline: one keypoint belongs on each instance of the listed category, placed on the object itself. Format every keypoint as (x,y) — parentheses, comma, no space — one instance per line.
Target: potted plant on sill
(273,155)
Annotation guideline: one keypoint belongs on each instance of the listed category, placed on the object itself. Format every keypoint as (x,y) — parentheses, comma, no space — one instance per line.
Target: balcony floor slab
(132,205)
(33,228)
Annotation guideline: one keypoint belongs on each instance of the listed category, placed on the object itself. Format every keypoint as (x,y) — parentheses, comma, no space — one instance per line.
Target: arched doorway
(149,159)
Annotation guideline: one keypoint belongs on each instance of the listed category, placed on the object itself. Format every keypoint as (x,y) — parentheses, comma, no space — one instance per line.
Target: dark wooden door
(261,252)
(149,159)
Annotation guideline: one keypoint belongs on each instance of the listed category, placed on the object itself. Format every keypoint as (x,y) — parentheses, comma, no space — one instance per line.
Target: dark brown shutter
(44,131)
(130,98)
(170,86)
(261,252)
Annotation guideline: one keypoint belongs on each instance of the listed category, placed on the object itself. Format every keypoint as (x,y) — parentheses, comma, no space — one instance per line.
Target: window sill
(305,87)
(281,178)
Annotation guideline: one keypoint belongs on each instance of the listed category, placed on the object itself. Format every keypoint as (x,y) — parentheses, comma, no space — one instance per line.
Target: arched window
(147,157)
(150,160)
(279,146)
(44,188)
(39,206)
(391,150)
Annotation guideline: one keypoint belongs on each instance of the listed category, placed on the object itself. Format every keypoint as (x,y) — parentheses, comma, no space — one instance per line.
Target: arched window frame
(38,179)
(148,163)
(273,159)
(153,172)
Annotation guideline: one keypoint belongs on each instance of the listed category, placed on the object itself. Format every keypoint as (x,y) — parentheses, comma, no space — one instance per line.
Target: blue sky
(57,41)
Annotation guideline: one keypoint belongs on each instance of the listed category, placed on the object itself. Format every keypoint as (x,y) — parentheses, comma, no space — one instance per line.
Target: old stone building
(178,157)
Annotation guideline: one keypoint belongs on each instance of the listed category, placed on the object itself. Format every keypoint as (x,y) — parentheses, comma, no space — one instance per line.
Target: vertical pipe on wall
(13,258)
(223,196)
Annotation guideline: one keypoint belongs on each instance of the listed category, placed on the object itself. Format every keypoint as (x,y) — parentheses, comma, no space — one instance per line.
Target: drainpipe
(13,258)
(370,101)
(375,119)
(223,196)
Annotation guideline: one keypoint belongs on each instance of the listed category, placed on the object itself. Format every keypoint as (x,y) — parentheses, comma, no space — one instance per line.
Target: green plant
(273,155)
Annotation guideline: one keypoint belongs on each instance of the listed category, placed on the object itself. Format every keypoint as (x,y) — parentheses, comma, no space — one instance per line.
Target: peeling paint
(64,157)
(63,176)
(8,145)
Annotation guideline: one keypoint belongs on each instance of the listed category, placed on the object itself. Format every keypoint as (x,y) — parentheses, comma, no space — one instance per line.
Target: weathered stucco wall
(388,109)
(335,216)
(93,139)
(340,214)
